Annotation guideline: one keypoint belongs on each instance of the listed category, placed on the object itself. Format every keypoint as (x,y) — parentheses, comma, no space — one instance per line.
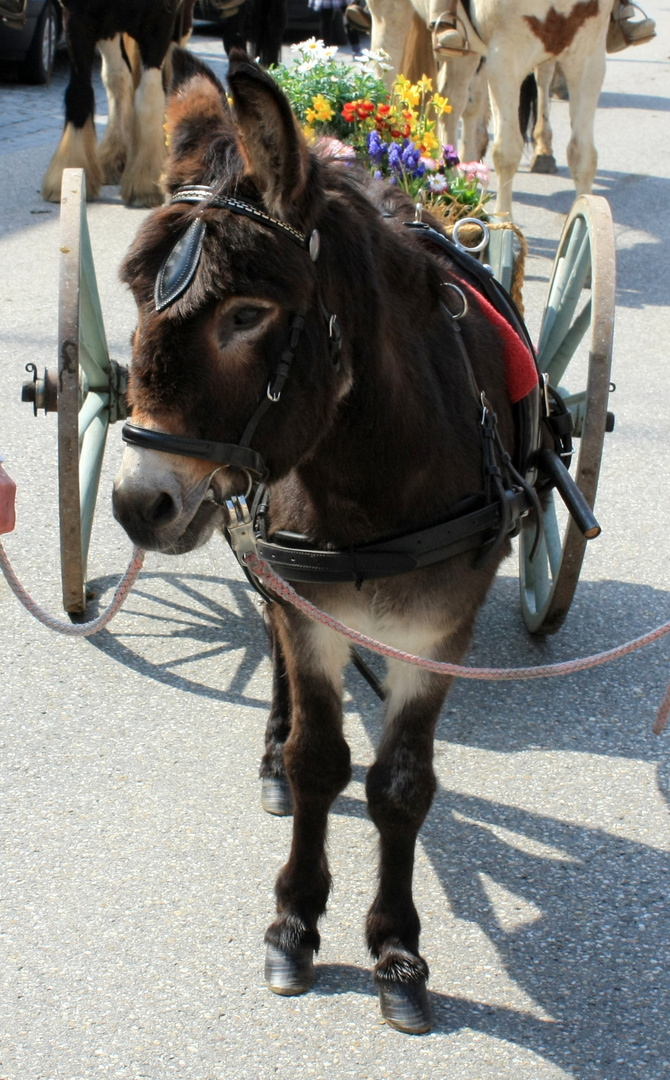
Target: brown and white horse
(517,37)
(133,147)
(242,280)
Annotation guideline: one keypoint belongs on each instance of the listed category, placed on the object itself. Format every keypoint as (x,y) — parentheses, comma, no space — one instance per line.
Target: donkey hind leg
(78,147)
(400,787)
(454,78)
(118,82)
(543,156)
(140,181)
(317,762)
(276,795)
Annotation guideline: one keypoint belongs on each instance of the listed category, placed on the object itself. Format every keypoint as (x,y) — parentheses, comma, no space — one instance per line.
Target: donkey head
(238,303)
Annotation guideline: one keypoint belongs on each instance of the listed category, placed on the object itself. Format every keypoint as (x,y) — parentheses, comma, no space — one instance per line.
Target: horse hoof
(276,797)
(544,163)
(405,1006)
(289,973)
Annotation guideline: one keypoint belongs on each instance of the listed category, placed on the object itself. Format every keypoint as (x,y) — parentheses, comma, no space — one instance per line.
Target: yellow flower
(400,85)
(412,96)
(429,141)
(440,104)
(425,84)
(322,109)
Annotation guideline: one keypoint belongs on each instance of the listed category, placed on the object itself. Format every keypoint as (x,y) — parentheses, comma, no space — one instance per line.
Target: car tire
(38,64)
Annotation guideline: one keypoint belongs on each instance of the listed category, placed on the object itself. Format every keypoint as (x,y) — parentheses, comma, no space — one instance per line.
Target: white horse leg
(584,76)
(476,117)
(391,20)
(119,86)
(454,77)
(505,85)
(140,180)
(543,156)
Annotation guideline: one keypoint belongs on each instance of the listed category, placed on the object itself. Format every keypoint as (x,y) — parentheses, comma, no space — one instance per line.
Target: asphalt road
(138,869)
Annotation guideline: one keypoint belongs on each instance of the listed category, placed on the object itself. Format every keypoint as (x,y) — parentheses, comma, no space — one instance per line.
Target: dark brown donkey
(293,330)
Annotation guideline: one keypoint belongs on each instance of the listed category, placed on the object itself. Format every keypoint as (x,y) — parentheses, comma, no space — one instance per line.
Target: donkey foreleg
(400,787)
(317,763)
(276,795)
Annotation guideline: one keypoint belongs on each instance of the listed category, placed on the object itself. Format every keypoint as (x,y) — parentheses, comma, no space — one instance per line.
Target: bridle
(174,277)
(469,526)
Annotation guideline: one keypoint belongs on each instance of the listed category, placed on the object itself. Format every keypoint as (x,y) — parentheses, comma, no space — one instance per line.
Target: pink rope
(84,629)
(261,569)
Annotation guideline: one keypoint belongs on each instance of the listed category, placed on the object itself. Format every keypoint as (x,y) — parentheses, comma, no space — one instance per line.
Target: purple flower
(450,156)
(395,162)
(376,148)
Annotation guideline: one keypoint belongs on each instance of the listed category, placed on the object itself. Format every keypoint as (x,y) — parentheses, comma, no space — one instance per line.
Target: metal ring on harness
(474,248)
(464,310)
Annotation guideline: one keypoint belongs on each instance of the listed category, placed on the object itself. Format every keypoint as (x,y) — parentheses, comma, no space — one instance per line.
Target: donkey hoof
(276,797)
(289,973)
(544,163)
(405,1006)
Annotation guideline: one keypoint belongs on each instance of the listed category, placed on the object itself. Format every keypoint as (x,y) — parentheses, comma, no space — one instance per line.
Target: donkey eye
(245,317)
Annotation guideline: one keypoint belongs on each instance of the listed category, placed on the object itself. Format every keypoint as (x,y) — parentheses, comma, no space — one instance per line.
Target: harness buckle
(240,527)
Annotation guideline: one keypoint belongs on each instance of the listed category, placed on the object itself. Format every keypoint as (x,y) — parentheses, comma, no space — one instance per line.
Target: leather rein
(467,526)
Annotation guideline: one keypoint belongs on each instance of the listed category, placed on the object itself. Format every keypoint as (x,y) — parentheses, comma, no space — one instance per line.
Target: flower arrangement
(392,133)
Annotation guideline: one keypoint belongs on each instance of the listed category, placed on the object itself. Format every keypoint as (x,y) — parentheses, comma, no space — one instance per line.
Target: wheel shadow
(573,912)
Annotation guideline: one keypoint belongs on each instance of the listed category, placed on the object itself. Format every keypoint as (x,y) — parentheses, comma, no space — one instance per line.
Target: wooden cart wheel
(575,351)
(91,390)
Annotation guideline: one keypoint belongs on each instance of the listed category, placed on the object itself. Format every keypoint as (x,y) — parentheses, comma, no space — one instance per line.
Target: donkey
(133,148)
(293,329)
(516,37)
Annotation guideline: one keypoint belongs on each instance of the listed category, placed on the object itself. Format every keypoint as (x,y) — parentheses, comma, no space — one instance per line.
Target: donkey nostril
(161,510)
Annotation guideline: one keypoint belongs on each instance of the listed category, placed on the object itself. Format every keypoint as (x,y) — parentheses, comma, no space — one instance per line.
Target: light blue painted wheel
(575,351)
(91,390)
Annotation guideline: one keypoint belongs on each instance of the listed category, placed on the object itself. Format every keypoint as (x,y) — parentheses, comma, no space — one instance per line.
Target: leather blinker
(179,266)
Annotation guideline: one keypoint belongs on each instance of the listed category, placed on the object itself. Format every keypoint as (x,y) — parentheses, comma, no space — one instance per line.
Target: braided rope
(286,592)
(544,671)
(84,629)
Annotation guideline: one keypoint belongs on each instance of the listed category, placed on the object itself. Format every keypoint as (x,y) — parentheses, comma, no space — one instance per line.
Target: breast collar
(467,526)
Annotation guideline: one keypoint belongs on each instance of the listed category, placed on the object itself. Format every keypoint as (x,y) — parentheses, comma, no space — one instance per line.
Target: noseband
(174,277)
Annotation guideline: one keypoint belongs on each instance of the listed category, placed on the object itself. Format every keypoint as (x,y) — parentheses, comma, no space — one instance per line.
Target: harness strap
(238,457)
(397,555)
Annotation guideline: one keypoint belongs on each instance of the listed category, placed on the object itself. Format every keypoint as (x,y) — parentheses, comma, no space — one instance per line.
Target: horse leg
(476,116)
(140,180)
(270,23)
(118,82)
(543,157)
(275,791)
(391,22)
(400,787)
(317,762)
(505,85)
(454,78)
(584,79)
(78,147)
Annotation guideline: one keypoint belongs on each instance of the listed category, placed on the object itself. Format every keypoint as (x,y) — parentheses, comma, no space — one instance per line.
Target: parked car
(29,34)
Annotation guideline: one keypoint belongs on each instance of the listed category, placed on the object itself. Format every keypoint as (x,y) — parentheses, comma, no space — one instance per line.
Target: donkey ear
(273,147)
(197,113)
